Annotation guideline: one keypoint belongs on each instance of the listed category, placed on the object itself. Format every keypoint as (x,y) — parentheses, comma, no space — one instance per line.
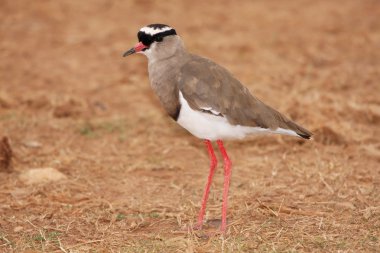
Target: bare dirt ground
(132,179)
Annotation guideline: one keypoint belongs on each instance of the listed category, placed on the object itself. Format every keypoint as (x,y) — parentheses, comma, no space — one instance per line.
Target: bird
(207,100)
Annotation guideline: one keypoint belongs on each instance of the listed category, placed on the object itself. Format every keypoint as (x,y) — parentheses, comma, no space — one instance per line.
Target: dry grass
(68,100)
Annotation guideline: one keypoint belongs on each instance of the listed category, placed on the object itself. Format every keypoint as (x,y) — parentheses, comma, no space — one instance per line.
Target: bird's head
(156,41)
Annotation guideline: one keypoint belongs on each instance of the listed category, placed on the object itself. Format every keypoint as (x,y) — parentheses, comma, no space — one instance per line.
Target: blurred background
(90,161)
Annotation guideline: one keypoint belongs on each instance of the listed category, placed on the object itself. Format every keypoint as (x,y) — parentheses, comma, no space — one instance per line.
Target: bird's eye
(159,39)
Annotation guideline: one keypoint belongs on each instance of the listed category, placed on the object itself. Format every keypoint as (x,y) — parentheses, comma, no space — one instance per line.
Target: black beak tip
(129,52)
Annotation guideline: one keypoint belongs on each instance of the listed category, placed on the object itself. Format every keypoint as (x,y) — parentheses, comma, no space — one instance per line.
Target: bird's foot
(198,226)
(211,224)
(192,227)
(207,229)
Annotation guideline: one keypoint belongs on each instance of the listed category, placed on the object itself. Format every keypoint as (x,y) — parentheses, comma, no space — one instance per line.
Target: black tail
(302,132)
(305,136)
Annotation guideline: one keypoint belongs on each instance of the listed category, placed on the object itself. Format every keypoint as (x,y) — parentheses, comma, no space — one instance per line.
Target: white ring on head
(153,31)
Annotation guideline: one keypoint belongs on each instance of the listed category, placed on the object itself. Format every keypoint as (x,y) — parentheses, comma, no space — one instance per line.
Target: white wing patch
(213,127)
(153,31)
(210,110)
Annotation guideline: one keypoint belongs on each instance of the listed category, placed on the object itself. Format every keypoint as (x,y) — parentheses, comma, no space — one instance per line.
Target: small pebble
(18,229)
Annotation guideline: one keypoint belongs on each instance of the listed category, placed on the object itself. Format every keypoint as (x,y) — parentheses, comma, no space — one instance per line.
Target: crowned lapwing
(206,99)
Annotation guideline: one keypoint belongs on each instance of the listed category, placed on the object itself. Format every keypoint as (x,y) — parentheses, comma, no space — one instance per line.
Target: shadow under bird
(206,99)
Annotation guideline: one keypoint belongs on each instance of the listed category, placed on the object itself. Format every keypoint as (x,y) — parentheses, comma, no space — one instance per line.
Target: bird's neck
(174,51)
(167,66)
(163,75)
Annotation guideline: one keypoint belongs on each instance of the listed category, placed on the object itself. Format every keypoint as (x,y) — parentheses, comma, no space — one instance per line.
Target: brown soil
(69,101)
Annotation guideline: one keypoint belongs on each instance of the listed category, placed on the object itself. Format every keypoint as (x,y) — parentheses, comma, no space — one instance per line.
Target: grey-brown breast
(205,84)
(163,77)
(167,91)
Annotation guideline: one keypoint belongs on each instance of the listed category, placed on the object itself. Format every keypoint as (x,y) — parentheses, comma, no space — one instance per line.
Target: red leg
(227,176)
(213,163)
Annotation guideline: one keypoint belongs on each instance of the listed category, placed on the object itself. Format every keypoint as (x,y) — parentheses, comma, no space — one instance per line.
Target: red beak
(137,48)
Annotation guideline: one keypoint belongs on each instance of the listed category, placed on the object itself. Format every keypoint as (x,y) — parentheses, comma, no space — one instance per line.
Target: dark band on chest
(175,114)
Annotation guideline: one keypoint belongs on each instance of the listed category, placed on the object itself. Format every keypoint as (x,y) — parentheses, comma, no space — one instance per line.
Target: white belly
(211,127)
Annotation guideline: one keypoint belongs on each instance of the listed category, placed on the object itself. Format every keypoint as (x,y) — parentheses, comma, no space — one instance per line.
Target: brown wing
(206,85)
